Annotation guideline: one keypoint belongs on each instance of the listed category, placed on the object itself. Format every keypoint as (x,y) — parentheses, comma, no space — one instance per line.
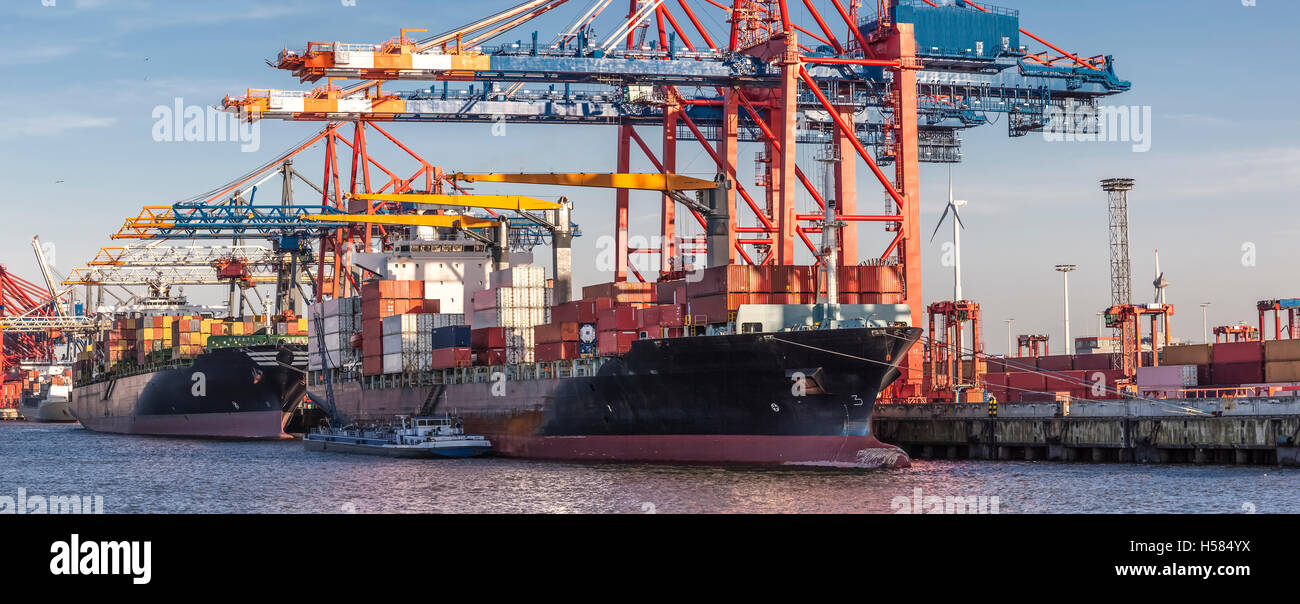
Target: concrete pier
(1255,431)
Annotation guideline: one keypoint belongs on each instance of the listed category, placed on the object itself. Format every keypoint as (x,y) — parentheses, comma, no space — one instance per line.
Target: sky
(1217,187)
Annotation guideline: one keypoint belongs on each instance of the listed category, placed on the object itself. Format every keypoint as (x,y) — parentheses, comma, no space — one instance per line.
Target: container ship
(729,365)
(192,375)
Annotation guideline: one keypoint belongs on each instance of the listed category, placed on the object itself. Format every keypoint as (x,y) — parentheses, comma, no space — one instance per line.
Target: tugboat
(413,437)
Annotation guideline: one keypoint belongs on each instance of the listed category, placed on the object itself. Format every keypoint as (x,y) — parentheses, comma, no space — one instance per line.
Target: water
(164,475)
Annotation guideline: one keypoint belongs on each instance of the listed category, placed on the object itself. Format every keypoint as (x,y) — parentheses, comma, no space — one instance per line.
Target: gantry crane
(1236,333)
(1290,305)
(890,88)
(1029,344)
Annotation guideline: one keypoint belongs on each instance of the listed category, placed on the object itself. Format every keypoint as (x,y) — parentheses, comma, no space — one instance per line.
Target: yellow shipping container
(302,325)
(236,329)
(205,326)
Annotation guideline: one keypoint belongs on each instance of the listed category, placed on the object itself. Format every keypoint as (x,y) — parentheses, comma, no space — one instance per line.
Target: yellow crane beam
(642,182)
(431,220)
(495,202)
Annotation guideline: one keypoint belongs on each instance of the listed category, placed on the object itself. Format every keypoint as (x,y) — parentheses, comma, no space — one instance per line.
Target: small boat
(413,437)
(53,407)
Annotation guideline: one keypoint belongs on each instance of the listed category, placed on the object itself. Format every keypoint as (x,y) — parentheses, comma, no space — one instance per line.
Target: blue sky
(1223,170)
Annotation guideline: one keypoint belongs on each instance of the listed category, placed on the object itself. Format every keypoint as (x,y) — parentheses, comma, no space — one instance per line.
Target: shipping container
(1239,352)
(1063,362)
(455,336)
(446,358)
(1177,376)
(1232,374)
(552,333)
(1282,371)
(1092,361)
(1201,354)
(1282,350)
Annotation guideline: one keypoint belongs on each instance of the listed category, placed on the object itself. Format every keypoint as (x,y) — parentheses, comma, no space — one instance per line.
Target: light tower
(1065,270)
(1009,323)
(1205,322)
(1121,281)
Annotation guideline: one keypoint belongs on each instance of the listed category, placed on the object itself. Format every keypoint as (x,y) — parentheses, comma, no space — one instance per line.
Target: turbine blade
(939,225)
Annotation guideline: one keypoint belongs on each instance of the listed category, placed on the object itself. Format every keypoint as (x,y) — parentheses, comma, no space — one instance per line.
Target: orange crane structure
(783,75)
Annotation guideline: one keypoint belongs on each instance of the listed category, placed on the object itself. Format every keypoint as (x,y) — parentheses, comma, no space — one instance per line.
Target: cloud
(52,125)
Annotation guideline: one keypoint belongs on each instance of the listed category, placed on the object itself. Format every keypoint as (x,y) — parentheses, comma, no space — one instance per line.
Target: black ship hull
(801,397)
(225,393)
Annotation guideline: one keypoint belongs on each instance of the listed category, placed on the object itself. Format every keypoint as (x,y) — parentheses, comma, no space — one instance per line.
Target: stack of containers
(518,298)
(340,320)
(1201,355)
(450,345)
(489,344)
(1282,361)
(556,341)
(189,336)
(407,343)
(380,299)
(152,338)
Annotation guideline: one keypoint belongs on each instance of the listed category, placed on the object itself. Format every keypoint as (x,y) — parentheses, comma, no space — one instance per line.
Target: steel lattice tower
(1121,281)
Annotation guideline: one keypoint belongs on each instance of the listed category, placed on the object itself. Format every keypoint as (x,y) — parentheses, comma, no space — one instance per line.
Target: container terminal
(774,332)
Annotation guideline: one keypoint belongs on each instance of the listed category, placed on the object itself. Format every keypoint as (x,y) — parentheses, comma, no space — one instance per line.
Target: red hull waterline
(245,424)
(828,451)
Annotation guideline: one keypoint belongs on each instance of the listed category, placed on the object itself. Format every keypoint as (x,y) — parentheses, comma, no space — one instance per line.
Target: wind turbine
(957,226)
(1160,283)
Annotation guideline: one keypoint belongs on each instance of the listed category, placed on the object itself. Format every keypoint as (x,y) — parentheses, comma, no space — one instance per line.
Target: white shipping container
(393,363)
(409,323)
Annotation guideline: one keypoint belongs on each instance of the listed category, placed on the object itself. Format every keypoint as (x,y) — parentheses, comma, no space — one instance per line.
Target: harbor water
(164,475)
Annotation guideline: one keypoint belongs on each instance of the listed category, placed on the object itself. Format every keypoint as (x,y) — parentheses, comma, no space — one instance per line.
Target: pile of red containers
(381,299)
(1030,379)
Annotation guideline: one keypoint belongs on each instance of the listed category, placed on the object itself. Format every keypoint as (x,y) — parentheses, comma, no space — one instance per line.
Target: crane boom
(433,220)
(642,182)
(495,202)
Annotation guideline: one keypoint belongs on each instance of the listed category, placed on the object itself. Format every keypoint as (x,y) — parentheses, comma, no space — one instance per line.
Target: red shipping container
(1238,352)
(848,279)
(446,358)
(415,290)
(996,380)
(492,356)
(709,309)
(372,365)
(850,298)
(1092,361)
(1233,374)
(589,309)
(880,280)
(484,299)
(1066,380)
(431,307)
(1022,382)
(556,332)
(488,337)
(615,342)
(621,318)
(1061,362)
(565,313)
(672,316)
(647,317)
(557,351)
